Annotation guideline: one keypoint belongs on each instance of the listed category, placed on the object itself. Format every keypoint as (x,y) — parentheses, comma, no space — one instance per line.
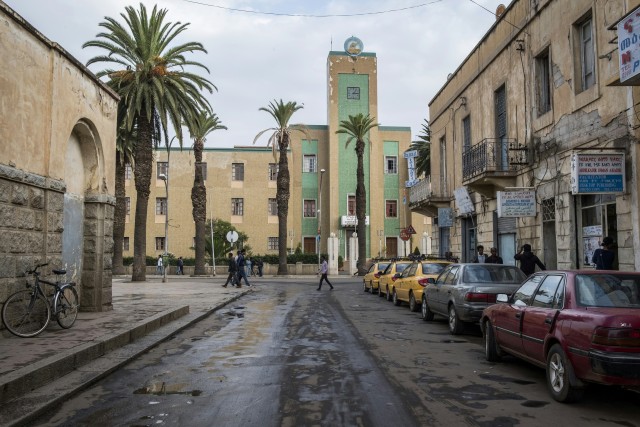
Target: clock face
(353,93)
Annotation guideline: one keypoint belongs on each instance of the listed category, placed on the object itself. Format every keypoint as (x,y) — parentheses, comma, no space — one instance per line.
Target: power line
(303,15)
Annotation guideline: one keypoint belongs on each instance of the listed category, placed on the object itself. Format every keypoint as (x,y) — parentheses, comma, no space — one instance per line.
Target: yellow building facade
(241,181)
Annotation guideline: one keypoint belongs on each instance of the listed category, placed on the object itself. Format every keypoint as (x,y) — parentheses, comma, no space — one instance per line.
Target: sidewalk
(37,373)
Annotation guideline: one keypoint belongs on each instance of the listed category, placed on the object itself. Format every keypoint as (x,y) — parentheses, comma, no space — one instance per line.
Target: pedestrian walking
(180,266)
(323,271)
(260,265)
(480,255)
(493,258)
(603,257)
(528,260)
(233,271)
(159,268)
(249,267)
(242,269)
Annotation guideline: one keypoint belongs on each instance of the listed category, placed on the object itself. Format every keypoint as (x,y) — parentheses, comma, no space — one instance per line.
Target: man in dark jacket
(233,271)
(603,258)
(528,260)
(242,270)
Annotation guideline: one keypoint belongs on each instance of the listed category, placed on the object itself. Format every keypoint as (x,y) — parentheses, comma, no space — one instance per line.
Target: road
(288,355)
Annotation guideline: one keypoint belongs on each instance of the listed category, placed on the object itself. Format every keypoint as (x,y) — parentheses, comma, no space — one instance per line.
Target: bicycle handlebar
(35,270)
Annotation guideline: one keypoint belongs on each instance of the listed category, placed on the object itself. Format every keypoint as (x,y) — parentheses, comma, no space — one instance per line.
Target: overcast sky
(255,58)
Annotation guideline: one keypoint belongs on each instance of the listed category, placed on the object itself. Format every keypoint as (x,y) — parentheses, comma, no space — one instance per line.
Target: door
(507,248)
(501,148)
(540,316)
(391,247)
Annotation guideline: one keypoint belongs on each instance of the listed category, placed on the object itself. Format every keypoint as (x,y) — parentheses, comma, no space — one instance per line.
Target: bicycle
(28,312)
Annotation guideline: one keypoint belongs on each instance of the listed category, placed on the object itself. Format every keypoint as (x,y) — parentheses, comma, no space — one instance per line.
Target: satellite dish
(500,10)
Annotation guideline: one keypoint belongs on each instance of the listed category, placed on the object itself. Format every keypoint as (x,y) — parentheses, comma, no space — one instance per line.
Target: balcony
(493,164)
(423,201)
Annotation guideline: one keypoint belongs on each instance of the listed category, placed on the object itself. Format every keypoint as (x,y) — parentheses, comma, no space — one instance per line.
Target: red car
(582,326)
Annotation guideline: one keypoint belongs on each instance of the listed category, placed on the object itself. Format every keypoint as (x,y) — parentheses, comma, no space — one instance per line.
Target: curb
(38,399)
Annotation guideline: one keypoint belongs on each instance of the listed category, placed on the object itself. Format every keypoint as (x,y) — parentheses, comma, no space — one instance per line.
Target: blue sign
(597,173)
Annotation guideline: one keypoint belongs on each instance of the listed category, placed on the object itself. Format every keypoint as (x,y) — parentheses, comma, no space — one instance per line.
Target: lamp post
(320,216)
(380,234)
(213,250)
(165,179)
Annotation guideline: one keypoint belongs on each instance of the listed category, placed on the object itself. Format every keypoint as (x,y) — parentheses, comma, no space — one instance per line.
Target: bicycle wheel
(66,306)
(26,314)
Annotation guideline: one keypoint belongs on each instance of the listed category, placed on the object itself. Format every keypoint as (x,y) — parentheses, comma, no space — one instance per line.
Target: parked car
(462,291)
(390,275)
(371,280)
(582,326)
(409,286)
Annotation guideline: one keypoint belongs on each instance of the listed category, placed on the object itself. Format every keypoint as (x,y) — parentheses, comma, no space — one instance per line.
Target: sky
(267,54)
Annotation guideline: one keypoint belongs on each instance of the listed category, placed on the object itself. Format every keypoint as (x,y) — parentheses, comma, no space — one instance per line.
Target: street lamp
(165,178)
(213,251)
(380,234)
(320,216)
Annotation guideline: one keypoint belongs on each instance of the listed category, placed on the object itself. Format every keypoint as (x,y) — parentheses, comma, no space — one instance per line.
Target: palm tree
(200,126)
(279,140)
(357,127)
(423,147)
(151,79)
(124,157)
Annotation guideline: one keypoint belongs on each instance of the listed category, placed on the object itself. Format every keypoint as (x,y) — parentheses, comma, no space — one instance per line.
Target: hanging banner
(463,201)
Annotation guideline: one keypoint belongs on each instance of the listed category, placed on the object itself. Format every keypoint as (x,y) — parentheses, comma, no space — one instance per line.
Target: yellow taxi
(371,280)
(390,275)
(409,286)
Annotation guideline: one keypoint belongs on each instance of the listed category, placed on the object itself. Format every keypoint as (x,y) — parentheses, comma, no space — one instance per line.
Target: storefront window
(598,221)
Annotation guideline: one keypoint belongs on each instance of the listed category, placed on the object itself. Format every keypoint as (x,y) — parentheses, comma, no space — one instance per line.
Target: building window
(159,243)
(391,208)
(237,206)
(273,206)
(391,165)
(466,133)
(353,93)
(502,148)
(128,171)
(162,169)
(237,171)
(273,171)
(125,244)
(309,208)
(309,245)
(543,82)
(586,55)
(203,169)
(161,205)
(309,163)
(127,203)
(272,243)
(351,204)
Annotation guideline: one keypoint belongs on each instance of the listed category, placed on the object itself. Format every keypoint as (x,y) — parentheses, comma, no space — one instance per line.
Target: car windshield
(383,266)
(401,266)
(492,273)
(608,290)
(432,268)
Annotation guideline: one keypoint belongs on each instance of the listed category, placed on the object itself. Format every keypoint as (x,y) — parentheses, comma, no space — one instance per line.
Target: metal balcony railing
(420,191)
(494,155)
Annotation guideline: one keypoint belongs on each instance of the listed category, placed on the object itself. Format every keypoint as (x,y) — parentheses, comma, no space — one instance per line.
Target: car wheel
(560,376)
(373,291)
(427,314)
(455,324)
(491,349)
(413,304)
(396,301)
(388,295)
(364,285)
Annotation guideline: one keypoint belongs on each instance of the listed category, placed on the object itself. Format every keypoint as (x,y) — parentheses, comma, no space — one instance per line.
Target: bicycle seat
(59,271)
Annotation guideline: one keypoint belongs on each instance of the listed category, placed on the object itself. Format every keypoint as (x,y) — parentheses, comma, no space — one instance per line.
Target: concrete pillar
(333,251)
(353,254)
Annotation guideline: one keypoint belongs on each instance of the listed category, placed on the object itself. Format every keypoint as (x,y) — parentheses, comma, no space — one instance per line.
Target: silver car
(462,291)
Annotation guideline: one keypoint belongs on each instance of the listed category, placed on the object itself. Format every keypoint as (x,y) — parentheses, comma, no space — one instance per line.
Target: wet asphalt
(288,355)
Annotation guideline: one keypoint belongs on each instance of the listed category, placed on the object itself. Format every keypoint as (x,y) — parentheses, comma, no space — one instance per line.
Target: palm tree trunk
(119,216)
(142,174)
(361,210)
(199,203)
(282,198)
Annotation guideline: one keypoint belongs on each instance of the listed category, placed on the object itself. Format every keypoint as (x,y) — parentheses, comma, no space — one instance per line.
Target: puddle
(166,389)
(453,341)
(534,403)
(500,378)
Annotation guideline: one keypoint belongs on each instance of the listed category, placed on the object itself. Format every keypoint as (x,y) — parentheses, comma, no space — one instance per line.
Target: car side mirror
(502,298)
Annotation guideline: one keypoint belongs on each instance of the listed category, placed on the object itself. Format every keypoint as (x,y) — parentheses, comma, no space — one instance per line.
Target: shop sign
(445,217)
(351,220)
(629,47)
(515,204)
(463,201)
(600,173)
